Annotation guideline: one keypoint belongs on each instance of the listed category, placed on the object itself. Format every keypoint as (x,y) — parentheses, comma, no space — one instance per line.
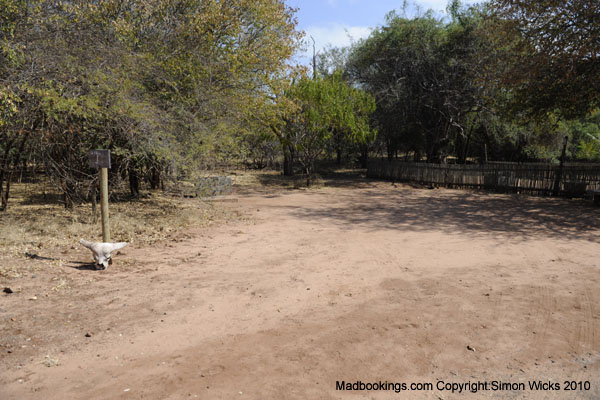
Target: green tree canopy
(327,106)
(162,83)
(423,74)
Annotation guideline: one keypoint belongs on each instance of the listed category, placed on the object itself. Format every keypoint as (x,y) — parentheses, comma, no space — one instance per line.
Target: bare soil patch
(353,281)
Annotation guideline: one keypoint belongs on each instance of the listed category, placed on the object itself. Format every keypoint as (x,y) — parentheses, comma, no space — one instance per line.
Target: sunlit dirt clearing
(370,282)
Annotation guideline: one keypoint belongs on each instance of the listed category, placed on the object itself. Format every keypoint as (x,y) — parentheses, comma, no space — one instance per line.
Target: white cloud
(337,35)
(436,5)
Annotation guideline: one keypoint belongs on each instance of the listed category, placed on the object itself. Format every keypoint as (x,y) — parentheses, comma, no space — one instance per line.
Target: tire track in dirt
(545,304)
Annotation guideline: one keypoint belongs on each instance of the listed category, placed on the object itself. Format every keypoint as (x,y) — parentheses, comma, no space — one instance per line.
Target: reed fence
(572,180)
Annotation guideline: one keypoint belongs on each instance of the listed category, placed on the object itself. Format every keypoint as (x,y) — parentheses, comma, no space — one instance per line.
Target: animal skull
(101,251)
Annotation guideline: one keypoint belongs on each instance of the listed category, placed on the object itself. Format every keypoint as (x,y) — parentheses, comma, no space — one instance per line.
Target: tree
(327,106)
(423,75)
(552,48)
(162,84)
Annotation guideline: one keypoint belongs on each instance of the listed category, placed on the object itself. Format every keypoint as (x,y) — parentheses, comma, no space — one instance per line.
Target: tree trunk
(67,196)
(154,178)
(288,162)
(338,141)
(2,207)
(417,155)
(4,194)
(22,171)
(364,156)
(390,152)
(3,173)
(134,182)
(464,149)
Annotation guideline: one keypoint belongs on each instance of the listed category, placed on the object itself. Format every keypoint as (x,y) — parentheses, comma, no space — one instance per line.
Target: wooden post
(101,159)
(104,204)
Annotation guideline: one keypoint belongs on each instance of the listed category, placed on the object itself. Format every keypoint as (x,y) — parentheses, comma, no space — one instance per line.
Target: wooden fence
(575,180)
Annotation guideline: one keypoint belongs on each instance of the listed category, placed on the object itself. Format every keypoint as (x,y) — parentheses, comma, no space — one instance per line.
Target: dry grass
(36,223)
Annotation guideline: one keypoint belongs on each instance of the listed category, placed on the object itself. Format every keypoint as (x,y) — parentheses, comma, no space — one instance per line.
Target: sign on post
(101,159)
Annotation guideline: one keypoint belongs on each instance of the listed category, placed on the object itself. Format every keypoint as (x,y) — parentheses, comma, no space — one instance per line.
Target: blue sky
(335,21)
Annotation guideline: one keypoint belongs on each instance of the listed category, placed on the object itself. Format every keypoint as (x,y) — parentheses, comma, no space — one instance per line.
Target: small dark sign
(99,158)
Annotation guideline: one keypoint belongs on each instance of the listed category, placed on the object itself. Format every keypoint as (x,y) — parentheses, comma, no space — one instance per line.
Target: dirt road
(367,283)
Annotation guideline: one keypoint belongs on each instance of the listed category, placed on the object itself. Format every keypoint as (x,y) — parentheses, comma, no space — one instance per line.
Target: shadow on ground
(270,182)
(401,207)
(83,266)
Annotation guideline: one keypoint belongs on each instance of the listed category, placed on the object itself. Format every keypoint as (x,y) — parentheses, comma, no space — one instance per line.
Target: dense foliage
(502,80)
(554,49)
(329,111)
(161,83)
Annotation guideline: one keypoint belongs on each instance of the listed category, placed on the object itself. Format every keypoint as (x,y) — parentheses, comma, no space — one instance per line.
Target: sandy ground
(371,282)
